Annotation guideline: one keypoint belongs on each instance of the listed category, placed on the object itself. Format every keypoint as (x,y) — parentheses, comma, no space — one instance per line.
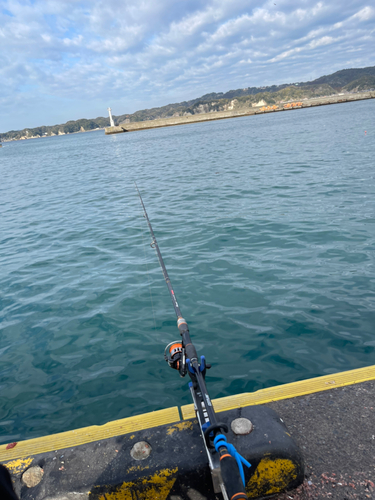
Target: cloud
(319,42)
(146,53)
(364,14)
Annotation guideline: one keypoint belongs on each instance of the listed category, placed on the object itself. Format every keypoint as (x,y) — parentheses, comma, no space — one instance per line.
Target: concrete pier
(222,115)
(331,418)
(177,120)
(335,430)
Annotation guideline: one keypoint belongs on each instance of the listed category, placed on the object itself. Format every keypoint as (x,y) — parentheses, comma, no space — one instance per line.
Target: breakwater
(222,115)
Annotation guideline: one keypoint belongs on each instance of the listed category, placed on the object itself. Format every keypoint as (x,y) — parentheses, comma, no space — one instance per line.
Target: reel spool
(173,354)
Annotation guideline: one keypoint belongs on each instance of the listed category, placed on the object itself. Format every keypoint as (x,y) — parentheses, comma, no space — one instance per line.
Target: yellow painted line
(85,435)
(287,391)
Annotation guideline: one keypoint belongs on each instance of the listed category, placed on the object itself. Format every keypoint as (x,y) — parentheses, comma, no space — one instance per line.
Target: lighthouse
(110,117)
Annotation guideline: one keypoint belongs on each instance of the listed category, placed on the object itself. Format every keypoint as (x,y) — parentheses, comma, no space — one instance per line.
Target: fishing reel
(174,355)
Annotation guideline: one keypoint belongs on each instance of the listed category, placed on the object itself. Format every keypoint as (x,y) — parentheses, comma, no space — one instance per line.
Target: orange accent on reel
(175,347)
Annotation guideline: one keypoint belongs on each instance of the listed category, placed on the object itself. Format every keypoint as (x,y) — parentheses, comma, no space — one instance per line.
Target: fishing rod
(225,462)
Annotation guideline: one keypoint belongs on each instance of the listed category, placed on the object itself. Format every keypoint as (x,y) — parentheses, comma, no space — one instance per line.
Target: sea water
(267,228)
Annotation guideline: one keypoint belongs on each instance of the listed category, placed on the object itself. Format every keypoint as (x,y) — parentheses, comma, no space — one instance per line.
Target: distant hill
(69,127)
(366,82)
(237,101)
(346,80)
(344,77)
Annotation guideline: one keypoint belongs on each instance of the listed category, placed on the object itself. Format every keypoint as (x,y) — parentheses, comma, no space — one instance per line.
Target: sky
(68,59)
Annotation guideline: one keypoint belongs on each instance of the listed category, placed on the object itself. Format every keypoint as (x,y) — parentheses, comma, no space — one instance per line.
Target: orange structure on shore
(268,108)
(288,105)
(292,105)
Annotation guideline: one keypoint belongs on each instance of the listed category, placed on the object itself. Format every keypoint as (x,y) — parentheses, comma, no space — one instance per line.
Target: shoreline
(55,135)
(222,115)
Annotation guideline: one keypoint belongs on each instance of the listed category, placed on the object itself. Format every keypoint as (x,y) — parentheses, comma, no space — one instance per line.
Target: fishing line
(148,276)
